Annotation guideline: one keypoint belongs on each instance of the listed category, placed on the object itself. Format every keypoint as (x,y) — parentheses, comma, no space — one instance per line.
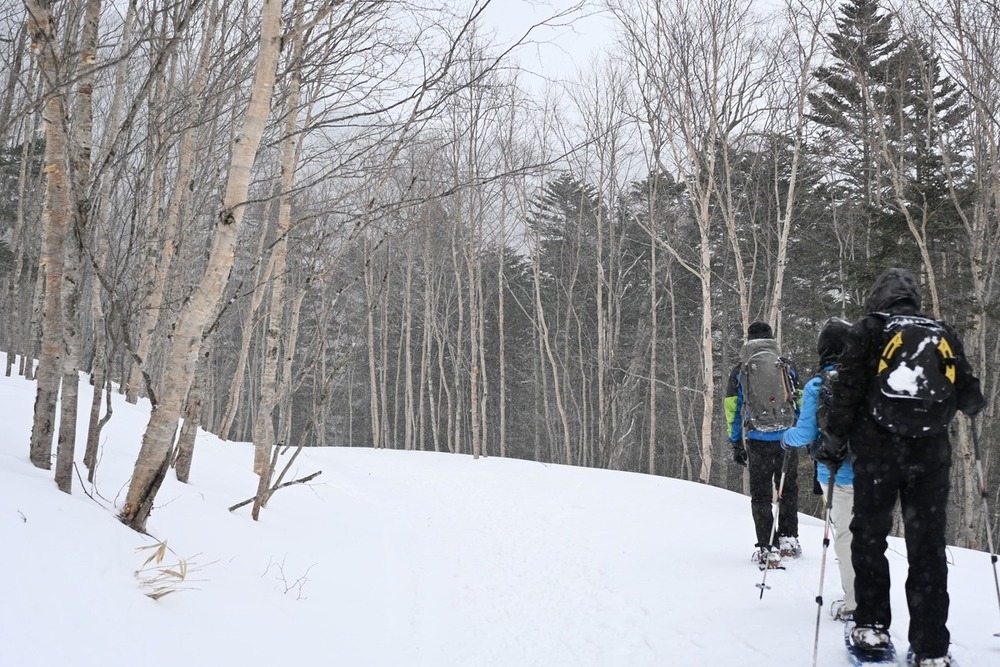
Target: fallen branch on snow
(301,480)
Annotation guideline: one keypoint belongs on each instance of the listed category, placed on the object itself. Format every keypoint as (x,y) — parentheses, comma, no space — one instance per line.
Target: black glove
(739,454)
(829,449)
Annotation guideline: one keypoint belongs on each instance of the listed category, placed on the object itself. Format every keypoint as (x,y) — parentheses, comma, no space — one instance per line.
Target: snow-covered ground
(405,559)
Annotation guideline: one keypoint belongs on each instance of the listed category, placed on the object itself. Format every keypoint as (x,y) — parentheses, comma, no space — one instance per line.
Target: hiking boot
(944,661)
(870,637)
(767,558)
(789,546)
(840,612)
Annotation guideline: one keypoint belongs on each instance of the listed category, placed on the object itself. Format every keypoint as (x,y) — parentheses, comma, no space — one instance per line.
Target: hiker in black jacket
(891,461)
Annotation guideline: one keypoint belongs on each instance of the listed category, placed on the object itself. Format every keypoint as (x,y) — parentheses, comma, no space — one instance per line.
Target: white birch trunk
(73,284)
(159,268)
(263,431)
(99,249)
(186,338)
(55,220)
(246,331)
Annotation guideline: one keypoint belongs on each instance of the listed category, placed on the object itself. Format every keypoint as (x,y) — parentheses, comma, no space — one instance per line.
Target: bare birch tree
(157,442)
(263,431)
(702,61)
(55,222)
(80,149)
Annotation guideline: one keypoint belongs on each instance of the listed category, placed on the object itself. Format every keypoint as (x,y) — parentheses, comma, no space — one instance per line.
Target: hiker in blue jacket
(805,432)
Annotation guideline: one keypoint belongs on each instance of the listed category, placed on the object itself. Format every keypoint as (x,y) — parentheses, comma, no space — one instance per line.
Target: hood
(759,329)
(830,343)
(895,287)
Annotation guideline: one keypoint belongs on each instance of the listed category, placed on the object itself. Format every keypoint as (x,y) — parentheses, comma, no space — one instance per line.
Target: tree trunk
(543,330)
(55,220)
(14,76)
(192,420)
(409,404)
(73,284)
(101,367)
(161,264)
(262,277)
(157,441)
(371,303)
(101,383)
(263,432)
(19,327)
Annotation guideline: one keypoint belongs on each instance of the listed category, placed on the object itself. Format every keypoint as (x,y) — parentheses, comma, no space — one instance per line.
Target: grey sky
(556,51)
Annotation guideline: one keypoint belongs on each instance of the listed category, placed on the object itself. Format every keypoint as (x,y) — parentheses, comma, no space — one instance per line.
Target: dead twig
(301,480)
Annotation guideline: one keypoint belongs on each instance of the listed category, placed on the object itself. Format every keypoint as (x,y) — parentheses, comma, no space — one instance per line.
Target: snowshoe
(868,645)
(840,612)
(767,558)
(913,661)
(789,546)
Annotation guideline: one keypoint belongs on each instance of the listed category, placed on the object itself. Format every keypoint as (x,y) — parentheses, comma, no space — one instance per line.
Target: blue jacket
(806,431)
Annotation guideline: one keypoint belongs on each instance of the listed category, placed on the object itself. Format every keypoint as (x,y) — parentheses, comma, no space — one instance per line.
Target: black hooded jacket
(895,292)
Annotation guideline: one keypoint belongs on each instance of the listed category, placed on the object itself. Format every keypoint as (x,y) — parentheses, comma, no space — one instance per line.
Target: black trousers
(922,488)
(765,459)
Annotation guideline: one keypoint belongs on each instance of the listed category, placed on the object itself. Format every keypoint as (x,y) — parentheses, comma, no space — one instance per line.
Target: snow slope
(414,559)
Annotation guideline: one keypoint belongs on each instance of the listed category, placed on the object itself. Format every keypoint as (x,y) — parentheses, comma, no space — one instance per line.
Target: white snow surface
(415,559)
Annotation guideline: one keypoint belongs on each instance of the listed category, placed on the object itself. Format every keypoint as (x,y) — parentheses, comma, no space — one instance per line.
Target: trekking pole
(822,563)
(986,511)
(774,525)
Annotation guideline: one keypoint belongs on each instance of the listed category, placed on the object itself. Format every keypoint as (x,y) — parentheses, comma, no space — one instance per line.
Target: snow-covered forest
(315,223)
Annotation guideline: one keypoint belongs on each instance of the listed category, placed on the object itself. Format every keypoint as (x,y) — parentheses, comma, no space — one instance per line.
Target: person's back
(890,463)
(757,417)
(806,433)
(768,390)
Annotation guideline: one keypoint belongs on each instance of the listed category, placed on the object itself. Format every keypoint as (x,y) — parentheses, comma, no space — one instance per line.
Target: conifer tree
(884,108)
(852,102)
(931,126)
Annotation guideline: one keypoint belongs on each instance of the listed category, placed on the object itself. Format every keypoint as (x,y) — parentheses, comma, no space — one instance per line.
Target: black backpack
(913,391)
(824,398)
(769,394)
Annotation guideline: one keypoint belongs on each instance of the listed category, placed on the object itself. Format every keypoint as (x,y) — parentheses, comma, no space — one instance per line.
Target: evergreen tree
(853,103)
(883,108)
(931,121)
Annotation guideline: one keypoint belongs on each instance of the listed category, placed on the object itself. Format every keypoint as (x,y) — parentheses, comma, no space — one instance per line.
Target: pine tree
(853,103)
(931,119)
(884,107)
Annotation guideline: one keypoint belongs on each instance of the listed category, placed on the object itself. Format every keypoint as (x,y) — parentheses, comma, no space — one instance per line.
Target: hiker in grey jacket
(765,458)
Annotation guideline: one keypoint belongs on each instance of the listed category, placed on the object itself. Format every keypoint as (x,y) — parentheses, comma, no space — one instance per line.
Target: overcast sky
(557,51)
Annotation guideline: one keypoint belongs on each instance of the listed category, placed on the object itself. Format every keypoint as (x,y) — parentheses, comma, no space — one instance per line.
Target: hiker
(900,381)
(760,405)
(829,345)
